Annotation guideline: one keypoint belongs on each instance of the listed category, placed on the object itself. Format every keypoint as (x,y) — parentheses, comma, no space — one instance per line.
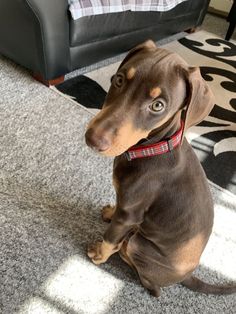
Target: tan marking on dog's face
(126,137)
(155,92)
(131,73)
(102,114)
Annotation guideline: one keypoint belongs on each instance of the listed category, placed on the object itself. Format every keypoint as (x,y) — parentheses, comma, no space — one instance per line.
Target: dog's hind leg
(126,254)
(123,254)
(152,288)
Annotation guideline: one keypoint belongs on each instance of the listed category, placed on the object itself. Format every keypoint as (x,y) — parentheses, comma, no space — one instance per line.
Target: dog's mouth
(113,143)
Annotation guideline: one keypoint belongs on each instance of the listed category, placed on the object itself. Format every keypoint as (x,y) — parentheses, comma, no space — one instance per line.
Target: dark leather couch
(41,35)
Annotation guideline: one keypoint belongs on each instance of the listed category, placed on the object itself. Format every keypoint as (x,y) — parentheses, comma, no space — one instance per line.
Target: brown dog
(164,212)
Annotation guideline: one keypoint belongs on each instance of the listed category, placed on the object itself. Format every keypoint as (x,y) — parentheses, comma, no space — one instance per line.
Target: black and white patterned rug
(214,139)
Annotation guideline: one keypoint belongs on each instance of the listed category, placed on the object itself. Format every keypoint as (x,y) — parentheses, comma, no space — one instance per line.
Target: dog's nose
(97,141)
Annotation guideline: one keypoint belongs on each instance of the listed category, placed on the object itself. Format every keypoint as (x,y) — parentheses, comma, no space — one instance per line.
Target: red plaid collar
(157,148)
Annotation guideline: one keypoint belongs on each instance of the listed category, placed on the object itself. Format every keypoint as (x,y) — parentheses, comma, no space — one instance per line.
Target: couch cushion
(99,27)
(80,8)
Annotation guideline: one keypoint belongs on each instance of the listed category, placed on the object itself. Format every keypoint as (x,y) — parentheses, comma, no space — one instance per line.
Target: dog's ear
(149,44)
(200,99)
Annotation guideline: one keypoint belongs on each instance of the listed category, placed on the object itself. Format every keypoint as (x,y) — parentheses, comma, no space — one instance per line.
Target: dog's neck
(163,133)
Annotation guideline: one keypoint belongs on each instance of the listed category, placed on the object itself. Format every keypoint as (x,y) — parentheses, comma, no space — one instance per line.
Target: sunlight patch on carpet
(220,253)
(37,305)
(82,286)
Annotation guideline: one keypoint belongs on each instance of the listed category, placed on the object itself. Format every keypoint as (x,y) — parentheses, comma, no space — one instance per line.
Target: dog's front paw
(95,253)
(107,213)
(101,251)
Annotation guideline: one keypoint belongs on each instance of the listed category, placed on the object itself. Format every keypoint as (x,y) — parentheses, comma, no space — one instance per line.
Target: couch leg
(49,83)
(230,30)
(192,30)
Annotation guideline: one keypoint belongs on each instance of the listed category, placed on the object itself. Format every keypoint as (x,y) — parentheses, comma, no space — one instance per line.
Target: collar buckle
(128,156)
(170,144)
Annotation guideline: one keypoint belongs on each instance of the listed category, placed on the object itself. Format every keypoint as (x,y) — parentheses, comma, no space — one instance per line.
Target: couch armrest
(203,12)
(35,34)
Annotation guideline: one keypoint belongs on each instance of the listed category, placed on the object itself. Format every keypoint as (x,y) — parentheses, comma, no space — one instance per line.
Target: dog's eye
(156,106)
(119,79)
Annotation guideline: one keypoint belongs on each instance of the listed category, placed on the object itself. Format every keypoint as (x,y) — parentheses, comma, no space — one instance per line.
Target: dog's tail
(198,285)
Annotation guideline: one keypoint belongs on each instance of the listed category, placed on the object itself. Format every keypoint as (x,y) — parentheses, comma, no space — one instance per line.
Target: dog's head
(150,87)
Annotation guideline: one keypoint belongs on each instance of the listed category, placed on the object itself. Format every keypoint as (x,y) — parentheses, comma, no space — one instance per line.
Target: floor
(217,25)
